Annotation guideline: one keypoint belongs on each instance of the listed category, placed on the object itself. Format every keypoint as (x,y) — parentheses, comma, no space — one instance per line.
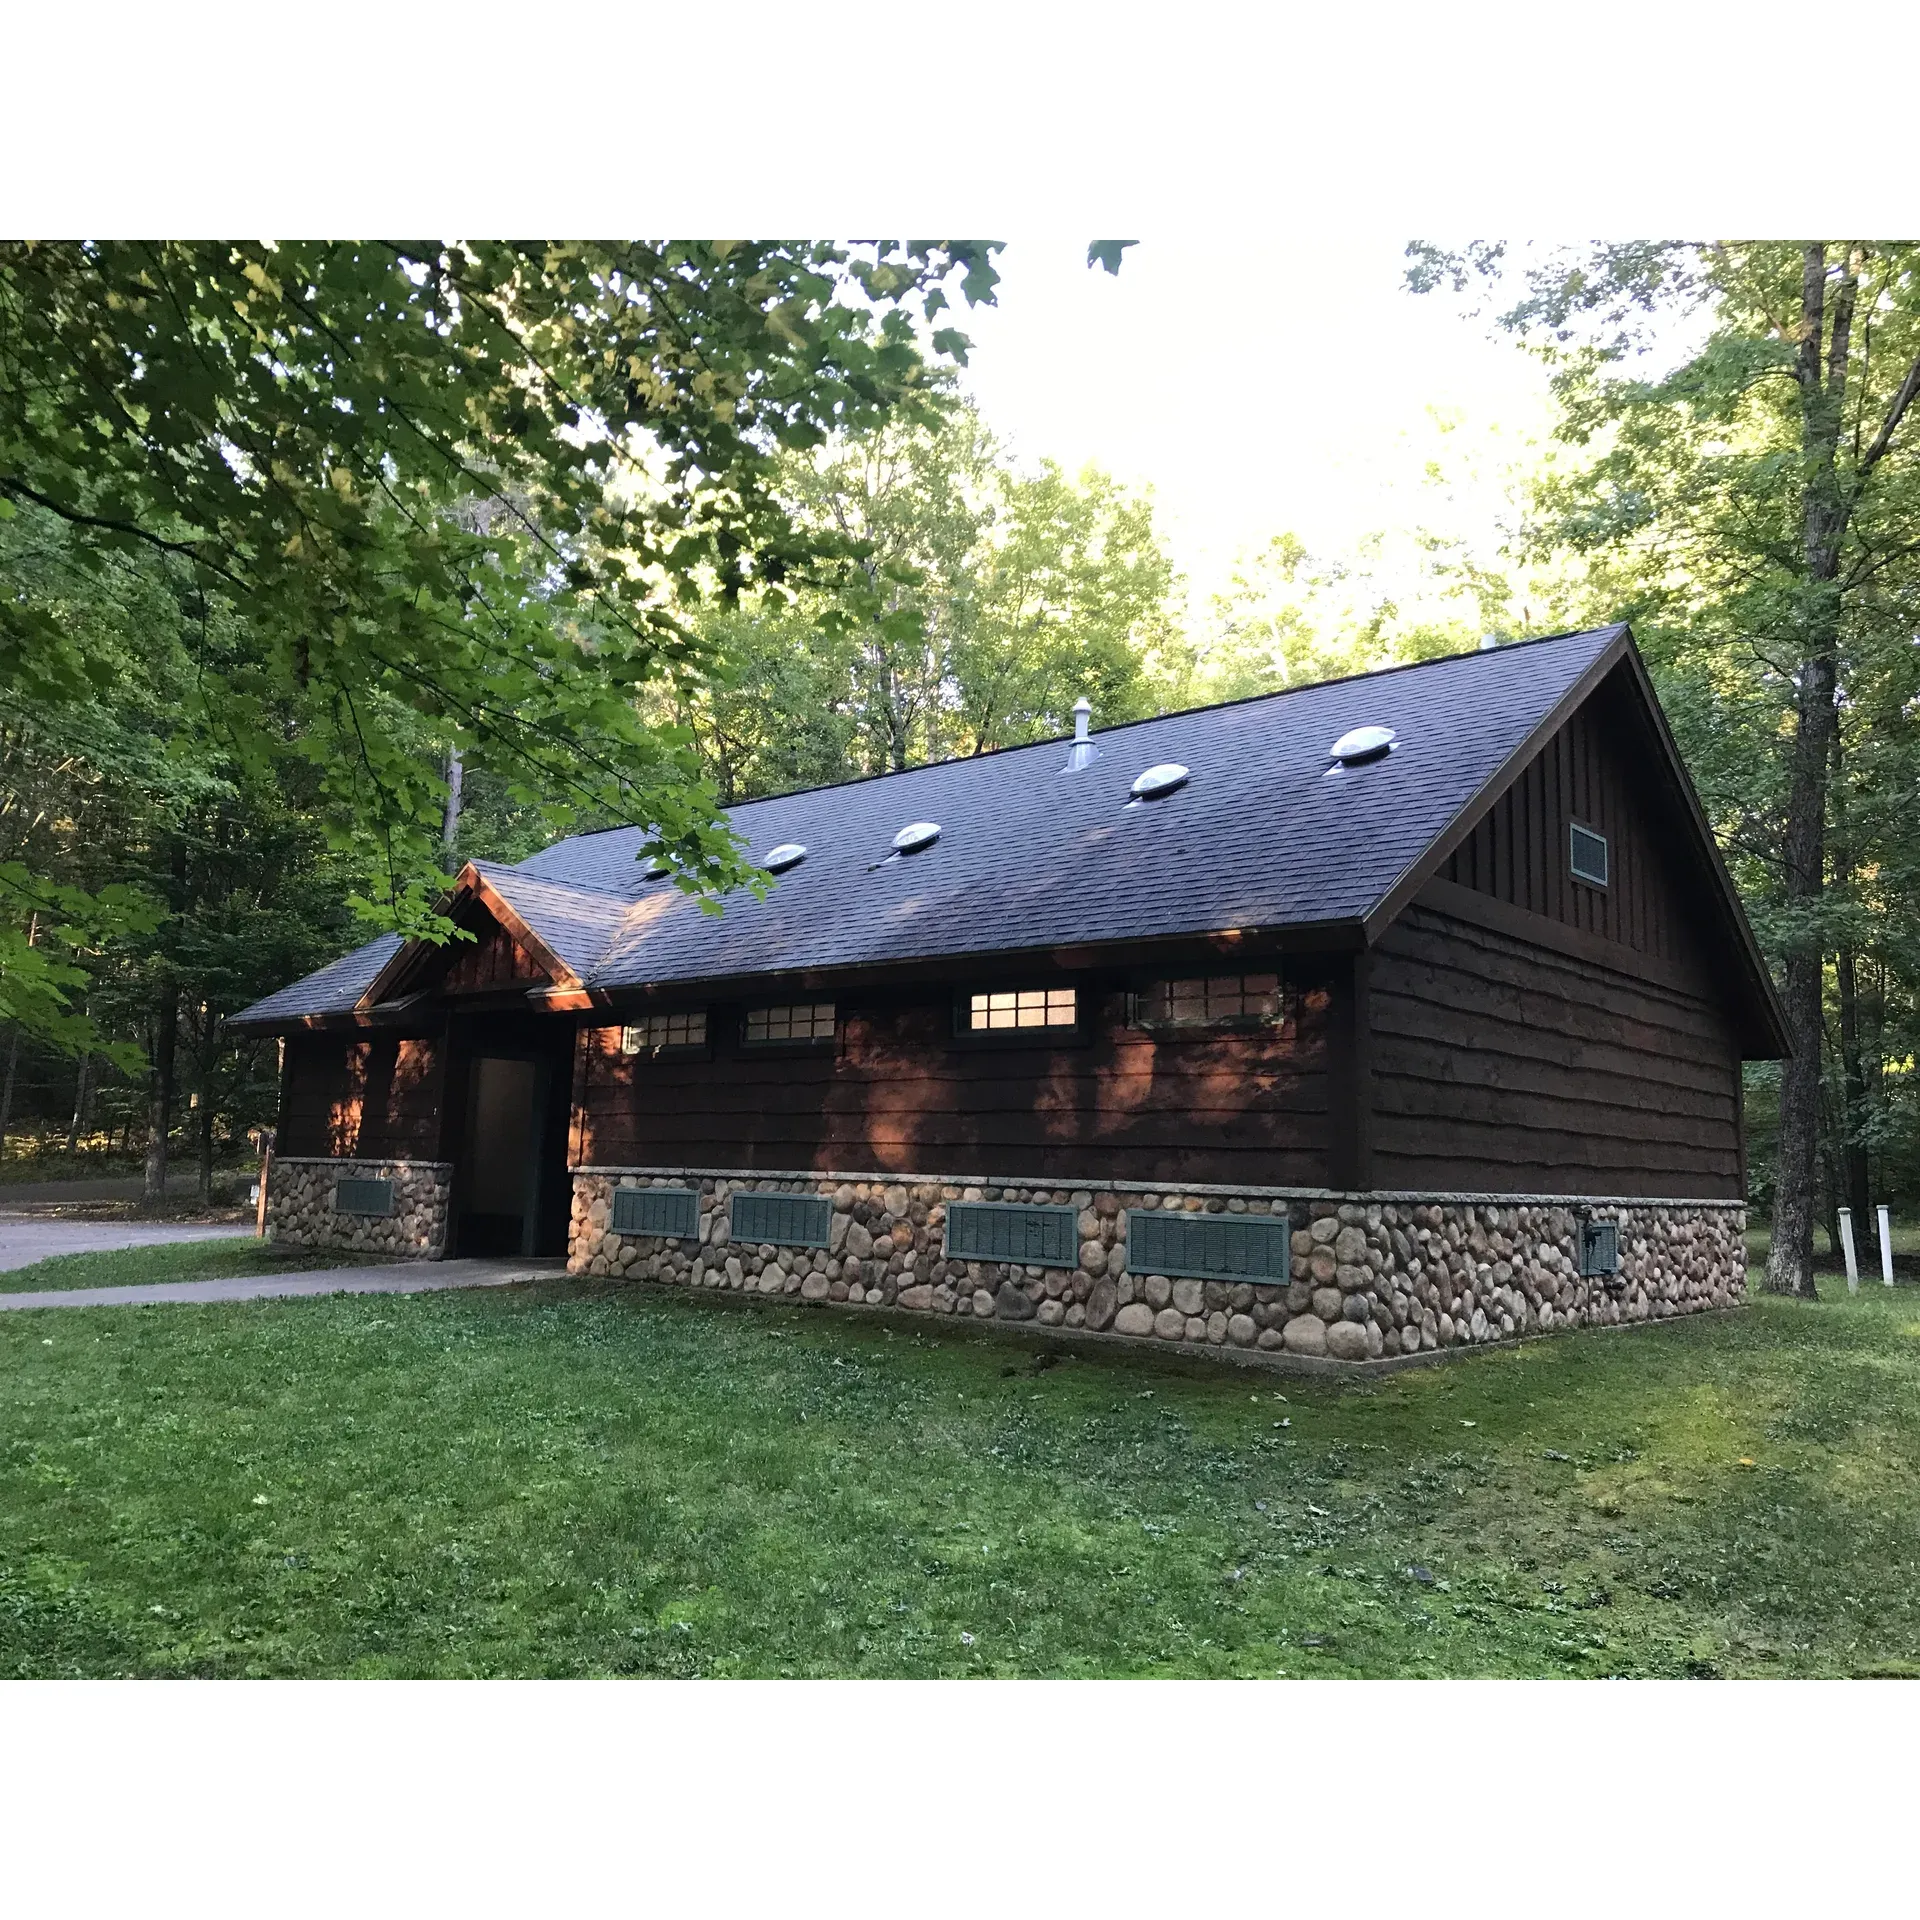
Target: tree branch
(19,490)
(1902,400)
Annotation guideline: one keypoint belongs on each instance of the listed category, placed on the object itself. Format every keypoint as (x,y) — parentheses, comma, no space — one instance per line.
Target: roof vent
(656,870)
(788,854)
(1361,745)
(1083,752)
(1157,782)
(1488,641)
(917,837)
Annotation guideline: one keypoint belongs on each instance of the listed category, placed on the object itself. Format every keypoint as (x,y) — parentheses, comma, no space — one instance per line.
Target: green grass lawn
(1827,1257)
(234,1257)
(552,1480)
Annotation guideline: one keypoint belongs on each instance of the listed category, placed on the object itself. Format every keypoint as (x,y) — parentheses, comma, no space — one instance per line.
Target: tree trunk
(80,1102)
(456,779)
(1790,1260)
(206,1150)
(6,1092)
(160,1094)
(1851,1187)
(13,1056)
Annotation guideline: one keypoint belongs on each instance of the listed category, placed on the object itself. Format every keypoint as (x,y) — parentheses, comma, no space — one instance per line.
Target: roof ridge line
(1612,629)
(565,886)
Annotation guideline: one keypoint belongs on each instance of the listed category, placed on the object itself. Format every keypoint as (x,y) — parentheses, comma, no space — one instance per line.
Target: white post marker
(1846,1247)
(1886,1247)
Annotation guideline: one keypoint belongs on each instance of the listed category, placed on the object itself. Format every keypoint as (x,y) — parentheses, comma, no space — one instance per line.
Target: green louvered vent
(1211,1246)
(671,1213)
(372,1198)
(1027,1236)
(782,1219)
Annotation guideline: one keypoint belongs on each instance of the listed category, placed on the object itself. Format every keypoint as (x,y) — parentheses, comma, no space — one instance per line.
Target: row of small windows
(665,1032)
(805,1021)
(1217,999)
(1009,1012)
(1210,1000)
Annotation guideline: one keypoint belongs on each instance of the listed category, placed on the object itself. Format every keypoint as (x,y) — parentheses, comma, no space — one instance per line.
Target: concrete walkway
(25,1238)
(413,1276)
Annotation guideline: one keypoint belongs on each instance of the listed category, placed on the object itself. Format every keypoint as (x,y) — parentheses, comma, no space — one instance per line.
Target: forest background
(852,576)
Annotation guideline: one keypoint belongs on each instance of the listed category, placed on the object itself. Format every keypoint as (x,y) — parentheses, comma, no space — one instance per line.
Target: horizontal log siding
(377,1098)
(1503,1067)
(1593,771)
(896,1092)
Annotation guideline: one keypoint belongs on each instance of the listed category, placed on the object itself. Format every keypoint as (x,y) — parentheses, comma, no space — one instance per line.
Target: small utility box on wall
(1599,1248)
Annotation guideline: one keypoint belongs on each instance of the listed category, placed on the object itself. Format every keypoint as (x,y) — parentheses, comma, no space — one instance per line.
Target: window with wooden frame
(1021,1010)
(1587,854)
(799,1022)
(666,1033)
(1216,1001)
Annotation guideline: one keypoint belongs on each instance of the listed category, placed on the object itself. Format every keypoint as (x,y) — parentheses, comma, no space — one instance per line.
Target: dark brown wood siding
(1596,771)
(495,961)
(373,1098)
(1502,1066)
(897,1092)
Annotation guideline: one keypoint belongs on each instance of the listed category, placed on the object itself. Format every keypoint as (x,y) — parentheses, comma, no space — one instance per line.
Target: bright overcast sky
(1259,389)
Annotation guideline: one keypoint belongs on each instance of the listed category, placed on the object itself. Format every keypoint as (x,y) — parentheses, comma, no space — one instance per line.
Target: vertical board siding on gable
(1502,1067)
(1594,771)
(899,1094)
(494,964)
(377,1098)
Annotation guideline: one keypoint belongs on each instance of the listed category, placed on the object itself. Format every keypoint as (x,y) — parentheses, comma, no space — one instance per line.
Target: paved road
(25,1238)
(413,1276)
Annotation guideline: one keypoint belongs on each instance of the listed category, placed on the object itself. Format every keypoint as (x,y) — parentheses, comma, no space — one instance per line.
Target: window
(1025,1009)
(804,1020)
(1588,854)
(664,1032)
(1214,1000)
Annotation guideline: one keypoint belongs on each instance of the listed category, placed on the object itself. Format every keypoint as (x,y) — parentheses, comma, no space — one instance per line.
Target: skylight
(788,854)
(1157,782)
(1361,745)
(917,837)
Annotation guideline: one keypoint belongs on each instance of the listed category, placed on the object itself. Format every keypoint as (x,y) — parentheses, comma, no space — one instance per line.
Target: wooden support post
(260,1212)
(1350,1075)
(1846,1249)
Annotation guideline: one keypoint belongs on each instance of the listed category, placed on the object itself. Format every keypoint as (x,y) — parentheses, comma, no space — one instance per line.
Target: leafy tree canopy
(1743,482)
(476,485)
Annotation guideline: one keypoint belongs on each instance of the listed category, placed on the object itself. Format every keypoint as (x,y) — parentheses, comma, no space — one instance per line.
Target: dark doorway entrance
(511,1181)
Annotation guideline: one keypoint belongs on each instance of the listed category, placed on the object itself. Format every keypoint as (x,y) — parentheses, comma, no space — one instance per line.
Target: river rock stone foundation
(1372,1277)
(301,1196)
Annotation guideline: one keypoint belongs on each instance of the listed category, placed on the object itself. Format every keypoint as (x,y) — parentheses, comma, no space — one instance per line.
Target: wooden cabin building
(1359,1020)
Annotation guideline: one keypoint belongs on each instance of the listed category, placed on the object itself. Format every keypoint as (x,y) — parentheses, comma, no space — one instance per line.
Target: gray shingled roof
(334,989)
(579,923)
(1031,856)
